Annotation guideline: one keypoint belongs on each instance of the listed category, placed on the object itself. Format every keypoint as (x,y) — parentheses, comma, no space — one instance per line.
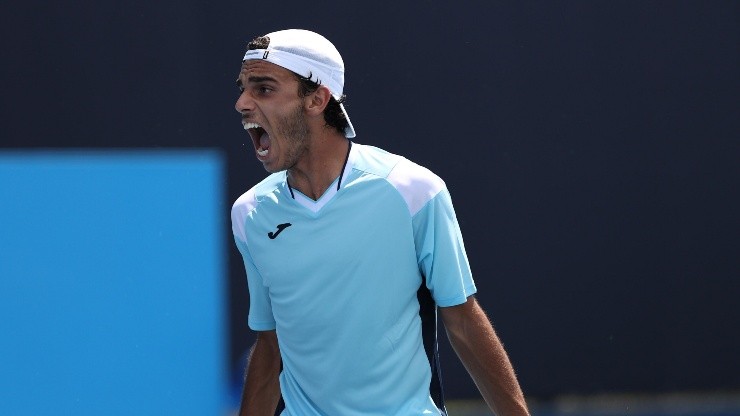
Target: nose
(244,103)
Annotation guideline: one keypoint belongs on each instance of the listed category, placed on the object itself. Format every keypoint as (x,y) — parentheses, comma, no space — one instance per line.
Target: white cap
(309,55)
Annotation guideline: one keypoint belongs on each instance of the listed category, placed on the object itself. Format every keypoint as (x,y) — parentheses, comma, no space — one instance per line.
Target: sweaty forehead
(258,68)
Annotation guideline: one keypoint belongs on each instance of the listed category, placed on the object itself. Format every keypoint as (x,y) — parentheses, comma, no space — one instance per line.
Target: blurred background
(590,147)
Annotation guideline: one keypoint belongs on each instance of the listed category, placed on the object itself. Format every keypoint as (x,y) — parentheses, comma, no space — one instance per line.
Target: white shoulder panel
(239,211)
(416,184)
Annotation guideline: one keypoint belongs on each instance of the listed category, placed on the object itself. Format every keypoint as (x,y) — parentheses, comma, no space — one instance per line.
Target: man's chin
(272,167)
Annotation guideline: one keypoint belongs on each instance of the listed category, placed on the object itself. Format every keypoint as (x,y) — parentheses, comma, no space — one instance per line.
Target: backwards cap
(309,55)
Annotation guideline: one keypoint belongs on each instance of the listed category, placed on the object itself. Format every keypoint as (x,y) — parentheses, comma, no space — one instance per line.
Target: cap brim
(349,132)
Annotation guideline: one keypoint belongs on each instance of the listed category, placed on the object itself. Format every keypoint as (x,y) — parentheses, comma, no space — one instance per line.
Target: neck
(323,163)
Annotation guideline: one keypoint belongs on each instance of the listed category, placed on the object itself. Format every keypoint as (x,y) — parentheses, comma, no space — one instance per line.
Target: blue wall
(112,283)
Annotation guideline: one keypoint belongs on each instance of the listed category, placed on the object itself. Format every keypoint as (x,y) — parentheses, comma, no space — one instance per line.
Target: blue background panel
(112,283)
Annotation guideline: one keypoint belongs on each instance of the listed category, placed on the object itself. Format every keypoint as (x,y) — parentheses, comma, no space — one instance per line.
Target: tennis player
(349,251)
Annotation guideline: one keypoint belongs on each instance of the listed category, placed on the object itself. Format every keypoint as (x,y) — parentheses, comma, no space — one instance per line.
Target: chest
(360,232)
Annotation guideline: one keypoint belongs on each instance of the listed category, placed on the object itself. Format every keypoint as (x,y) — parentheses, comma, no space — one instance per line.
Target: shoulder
(416,184)
(248,201)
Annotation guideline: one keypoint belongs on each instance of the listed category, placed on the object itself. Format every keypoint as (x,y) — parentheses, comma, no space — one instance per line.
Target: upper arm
(268,337)
(268,341)
(441,252)
(458,318)
(260,306)
(266,347)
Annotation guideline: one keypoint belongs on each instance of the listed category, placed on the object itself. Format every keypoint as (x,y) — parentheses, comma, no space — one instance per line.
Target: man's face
(272,113)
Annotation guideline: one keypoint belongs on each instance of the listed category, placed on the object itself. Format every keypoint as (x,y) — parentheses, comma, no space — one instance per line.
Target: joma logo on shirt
(280,229)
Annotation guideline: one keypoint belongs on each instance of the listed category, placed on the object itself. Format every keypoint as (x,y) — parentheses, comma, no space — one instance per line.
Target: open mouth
(260,138)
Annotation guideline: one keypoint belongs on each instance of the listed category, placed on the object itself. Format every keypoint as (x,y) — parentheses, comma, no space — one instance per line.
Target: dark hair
(333,115)
(260,42)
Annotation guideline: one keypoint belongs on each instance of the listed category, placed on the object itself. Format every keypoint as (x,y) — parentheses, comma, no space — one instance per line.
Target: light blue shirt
(339,283)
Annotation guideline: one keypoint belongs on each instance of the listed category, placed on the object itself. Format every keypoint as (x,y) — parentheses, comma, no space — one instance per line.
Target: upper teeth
(248,125)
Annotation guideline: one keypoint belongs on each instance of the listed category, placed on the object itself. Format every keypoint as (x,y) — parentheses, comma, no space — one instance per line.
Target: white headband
(305,67)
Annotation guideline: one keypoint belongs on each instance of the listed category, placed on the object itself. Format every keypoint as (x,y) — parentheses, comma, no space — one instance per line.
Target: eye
(264,89)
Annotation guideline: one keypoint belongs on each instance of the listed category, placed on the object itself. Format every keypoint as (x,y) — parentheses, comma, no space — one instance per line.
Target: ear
(317,101)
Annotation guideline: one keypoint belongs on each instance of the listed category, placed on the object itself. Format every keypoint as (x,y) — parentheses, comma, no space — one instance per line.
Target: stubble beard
(294,129)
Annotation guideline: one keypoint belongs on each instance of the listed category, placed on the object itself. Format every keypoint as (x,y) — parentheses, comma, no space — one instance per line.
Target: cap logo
(264,56)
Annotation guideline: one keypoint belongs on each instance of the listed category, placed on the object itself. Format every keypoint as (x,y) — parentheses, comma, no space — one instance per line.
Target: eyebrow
(255,78)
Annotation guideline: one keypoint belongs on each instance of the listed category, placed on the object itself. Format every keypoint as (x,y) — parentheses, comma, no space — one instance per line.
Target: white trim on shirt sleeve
(416,184)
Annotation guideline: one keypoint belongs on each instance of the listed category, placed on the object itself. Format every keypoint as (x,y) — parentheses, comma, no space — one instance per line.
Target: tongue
(265,141)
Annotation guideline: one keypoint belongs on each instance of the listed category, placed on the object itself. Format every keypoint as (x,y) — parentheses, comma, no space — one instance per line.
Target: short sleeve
(260,308)
(441,253)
